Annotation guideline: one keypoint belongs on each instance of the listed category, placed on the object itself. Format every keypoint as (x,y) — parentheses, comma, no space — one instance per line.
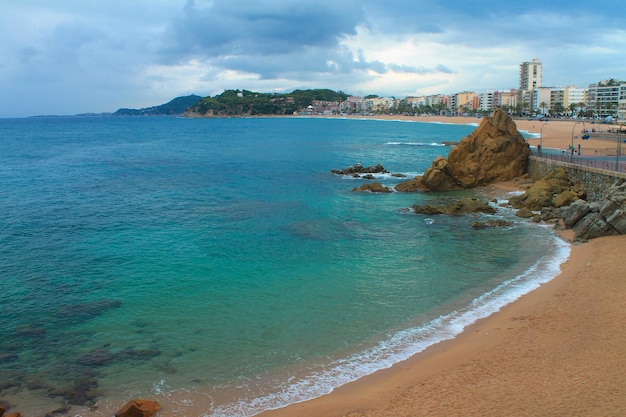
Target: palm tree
(543,107)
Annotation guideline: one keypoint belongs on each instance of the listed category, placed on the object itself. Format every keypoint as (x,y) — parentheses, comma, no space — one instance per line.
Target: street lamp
(619,147)
(541,138)
(571,149)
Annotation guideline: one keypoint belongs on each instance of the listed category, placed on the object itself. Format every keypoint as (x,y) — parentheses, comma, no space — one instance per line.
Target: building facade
(604,97)
(530,74)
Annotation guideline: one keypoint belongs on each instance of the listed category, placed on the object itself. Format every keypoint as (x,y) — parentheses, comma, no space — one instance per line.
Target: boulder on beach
(139,408)
(544,191)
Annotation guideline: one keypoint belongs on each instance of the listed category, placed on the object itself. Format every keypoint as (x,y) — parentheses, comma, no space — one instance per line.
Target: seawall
(594,181)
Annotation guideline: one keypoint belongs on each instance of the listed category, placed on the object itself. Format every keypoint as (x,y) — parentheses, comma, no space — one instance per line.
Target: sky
(78,56)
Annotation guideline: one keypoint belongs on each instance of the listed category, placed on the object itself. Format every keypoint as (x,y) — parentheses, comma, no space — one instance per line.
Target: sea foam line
(404,344)
(415,143)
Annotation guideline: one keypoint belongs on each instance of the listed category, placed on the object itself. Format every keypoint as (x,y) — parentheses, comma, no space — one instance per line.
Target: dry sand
(558,351)
(557,133)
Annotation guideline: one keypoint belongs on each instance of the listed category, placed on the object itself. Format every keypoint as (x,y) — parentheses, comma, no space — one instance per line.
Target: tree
(572,109)
(558,108)
(543,107)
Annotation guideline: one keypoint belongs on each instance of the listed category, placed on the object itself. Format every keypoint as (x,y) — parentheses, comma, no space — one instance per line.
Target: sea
(218,266)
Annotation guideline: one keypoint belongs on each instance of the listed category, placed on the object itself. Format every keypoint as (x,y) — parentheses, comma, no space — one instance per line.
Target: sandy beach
(558,351)
(557,133)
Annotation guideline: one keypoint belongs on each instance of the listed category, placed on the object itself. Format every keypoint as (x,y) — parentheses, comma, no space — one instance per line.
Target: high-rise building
(529,82)
(530,75)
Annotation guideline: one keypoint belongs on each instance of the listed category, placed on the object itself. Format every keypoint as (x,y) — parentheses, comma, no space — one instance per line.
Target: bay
(176,257)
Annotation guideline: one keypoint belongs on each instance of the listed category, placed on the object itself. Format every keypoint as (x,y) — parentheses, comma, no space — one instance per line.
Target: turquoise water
(165,257)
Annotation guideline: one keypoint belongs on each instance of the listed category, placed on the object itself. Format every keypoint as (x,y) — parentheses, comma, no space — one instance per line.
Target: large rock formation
(495,151)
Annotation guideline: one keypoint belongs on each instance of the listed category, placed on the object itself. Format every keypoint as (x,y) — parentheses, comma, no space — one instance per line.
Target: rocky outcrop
(139,408)
(606,217)
(554,190)
(558,198)
(357,170)
(458,208)
(411,186)
(495,151)
(373,187)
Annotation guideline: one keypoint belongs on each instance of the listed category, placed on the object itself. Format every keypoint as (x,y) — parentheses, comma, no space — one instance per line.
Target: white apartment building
(542,99)
(530,74)
(487,101)
(604,97)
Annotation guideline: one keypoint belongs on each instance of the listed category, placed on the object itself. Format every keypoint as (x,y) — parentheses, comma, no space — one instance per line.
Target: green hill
(175,107)
(249,103)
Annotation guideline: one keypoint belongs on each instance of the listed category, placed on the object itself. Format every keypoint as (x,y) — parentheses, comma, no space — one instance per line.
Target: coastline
(558,350)
(378,394)
(557,133)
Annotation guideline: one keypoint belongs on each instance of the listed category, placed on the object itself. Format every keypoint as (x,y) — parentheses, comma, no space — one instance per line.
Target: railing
(606,159)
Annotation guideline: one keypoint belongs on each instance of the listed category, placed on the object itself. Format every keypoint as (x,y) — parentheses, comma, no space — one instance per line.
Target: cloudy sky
(75,56)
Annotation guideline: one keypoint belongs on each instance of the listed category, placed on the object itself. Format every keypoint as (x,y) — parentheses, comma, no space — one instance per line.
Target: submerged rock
(59,411)
(457,208)
(87,311)
(97,357)
(491,223)
(373,187)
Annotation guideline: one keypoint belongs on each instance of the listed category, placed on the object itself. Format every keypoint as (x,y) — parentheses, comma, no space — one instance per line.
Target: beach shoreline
(557,350)
(557,133)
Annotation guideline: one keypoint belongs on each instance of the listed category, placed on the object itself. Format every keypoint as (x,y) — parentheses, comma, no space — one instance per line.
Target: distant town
(606,98)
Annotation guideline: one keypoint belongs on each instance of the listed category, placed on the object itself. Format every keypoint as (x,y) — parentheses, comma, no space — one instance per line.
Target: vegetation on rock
(248,103)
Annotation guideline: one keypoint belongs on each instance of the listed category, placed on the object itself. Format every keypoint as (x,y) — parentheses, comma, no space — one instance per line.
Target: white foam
(415,143)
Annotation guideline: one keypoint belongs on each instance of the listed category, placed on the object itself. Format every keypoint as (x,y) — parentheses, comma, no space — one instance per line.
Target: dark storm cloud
(265,28)
(59,56)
